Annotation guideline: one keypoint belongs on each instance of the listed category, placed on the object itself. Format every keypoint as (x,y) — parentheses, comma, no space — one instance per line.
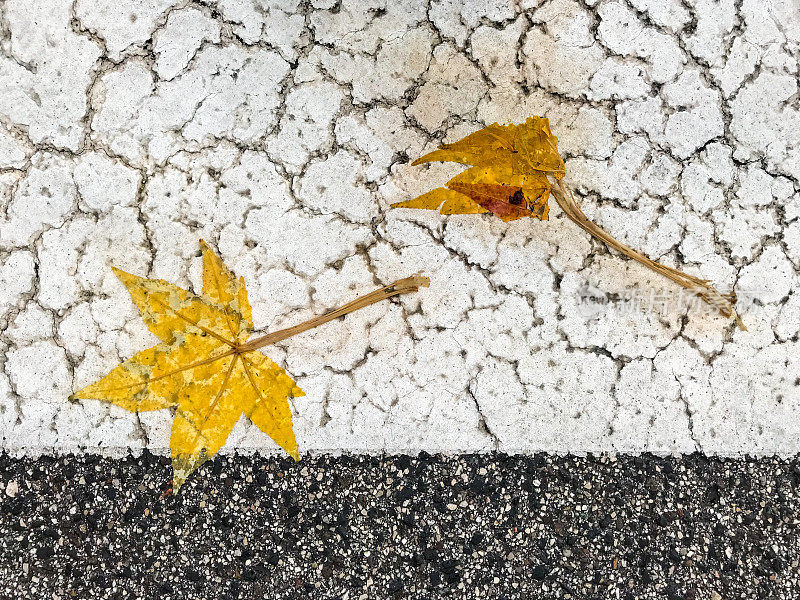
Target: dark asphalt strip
(473,526)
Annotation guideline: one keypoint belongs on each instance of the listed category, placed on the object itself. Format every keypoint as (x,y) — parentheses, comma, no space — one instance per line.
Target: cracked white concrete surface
(281,131)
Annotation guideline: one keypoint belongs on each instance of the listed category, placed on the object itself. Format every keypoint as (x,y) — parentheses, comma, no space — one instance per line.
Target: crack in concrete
(373,139)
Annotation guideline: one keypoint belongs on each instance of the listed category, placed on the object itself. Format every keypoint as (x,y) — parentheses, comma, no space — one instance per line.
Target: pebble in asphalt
(347,527)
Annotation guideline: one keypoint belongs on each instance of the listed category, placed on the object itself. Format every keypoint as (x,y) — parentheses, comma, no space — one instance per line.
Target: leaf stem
(401,286)
(724,303)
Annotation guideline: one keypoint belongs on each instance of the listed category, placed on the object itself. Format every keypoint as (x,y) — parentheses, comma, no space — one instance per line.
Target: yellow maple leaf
(206,368)
(514,169)
(508,174)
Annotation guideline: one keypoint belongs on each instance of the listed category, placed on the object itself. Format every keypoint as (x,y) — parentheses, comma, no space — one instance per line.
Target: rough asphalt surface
(475,526)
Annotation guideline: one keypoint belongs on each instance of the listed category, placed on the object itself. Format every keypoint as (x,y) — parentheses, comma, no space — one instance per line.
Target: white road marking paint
(131,129)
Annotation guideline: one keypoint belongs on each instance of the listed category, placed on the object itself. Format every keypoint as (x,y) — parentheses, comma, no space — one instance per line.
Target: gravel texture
(474,526)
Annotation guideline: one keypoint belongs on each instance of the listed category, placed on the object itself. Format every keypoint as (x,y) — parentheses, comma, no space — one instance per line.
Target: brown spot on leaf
(496,198)
(517,197)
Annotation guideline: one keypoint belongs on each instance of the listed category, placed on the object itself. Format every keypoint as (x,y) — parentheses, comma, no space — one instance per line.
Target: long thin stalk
(402,286)
(702,287)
